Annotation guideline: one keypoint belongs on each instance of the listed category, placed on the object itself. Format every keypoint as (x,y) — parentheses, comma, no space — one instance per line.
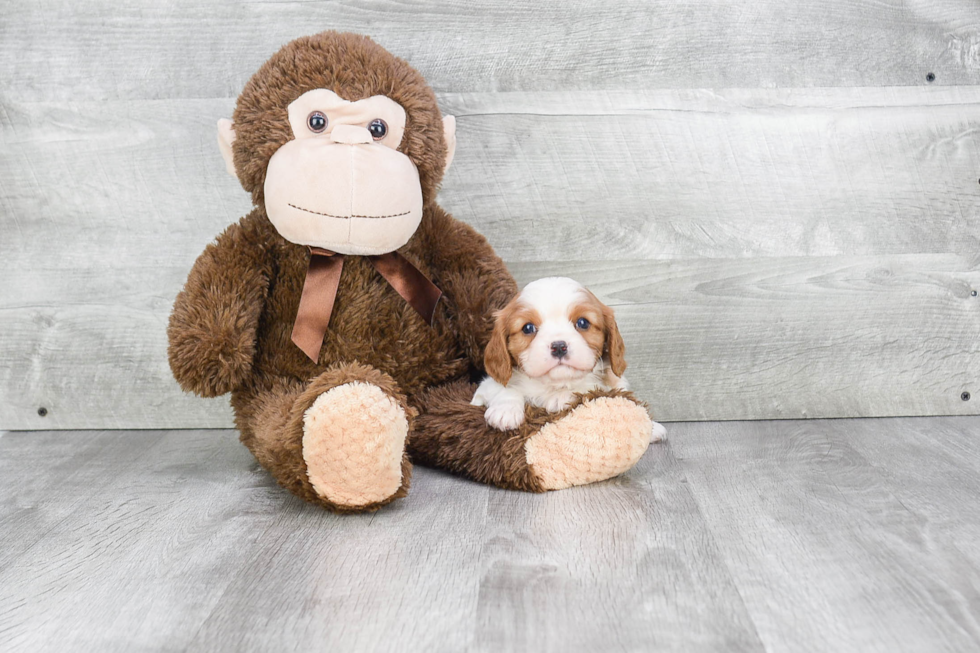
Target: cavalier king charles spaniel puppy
(554,341)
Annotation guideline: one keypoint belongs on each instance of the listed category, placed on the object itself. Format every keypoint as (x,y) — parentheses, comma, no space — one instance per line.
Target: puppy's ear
(615,347)
(496,358)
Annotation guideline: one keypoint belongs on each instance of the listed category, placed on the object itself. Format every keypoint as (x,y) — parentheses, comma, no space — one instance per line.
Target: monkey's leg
(337,441)
(599,437)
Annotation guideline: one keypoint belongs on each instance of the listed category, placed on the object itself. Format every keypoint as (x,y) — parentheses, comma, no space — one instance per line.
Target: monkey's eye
(529,329)
(582,323)
(317,122)
(378,129)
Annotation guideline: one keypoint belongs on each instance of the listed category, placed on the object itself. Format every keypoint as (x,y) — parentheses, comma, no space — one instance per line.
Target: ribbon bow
(320,291)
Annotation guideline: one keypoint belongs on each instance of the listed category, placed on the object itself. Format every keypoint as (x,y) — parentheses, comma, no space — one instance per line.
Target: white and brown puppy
(553,341)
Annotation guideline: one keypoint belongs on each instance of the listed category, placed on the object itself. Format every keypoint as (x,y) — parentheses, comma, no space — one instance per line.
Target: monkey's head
(341,142)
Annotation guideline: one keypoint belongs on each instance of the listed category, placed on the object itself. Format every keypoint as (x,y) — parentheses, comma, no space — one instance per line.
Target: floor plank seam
(722,558)
(255,554)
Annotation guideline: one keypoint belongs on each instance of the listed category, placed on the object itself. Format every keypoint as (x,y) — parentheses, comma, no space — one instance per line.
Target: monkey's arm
(214,320)
(474,279)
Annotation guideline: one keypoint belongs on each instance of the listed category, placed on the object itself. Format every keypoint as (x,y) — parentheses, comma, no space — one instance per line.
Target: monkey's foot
(600,438)
(353,444)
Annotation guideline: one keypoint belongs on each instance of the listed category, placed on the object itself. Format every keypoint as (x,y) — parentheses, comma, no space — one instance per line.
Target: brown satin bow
(320,291)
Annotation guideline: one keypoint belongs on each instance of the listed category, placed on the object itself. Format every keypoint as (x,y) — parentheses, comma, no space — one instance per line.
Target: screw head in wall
(965,396)
(42,411)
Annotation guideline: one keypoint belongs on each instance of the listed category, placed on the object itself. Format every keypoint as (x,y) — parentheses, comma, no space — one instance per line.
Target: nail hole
(930,77)
(42,411)
(965,396)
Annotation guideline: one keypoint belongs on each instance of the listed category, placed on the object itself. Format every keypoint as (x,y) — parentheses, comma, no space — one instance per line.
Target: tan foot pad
(353,440)
(599,439)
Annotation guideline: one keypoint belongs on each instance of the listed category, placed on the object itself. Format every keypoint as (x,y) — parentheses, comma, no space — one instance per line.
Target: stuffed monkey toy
(348,313)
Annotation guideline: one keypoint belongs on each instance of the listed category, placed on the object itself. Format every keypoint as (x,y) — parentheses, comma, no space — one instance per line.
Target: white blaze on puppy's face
(558,348)
(555,329)
(553,341)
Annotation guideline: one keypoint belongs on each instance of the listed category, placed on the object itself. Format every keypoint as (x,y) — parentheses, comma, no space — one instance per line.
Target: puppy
(553,341)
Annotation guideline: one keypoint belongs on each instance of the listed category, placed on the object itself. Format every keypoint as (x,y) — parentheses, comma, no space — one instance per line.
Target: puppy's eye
(317,122)
(583,324)
(528,329)
(378,129)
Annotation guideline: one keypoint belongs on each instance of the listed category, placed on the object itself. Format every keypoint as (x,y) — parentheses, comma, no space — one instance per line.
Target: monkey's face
(348,176)
(341,183)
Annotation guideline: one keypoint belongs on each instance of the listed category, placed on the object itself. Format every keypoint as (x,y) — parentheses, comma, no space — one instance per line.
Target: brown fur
(615,347)
(270,423)
(592,310)
(603,336)
(507,342)
(453,435)
(352,66)
(231,324)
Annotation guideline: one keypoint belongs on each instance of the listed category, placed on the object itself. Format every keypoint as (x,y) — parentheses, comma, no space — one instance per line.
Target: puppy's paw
(657,432)
(504,416)
(559,402)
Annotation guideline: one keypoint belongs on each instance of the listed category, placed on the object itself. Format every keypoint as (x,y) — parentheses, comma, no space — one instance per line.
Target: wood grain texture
(162,558)
(55,50)
(706,339)
(934,468)
(727,173)
(842,535)
(741,199)
(812,520)
(790,338)
(144,554)
(76,468)
(666,174)
(625,565)
(406,578)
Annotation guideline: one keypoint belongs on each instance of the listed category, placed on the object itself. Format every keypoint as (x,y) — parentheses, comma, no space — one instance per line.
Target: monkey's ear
(449,131)
(226,136)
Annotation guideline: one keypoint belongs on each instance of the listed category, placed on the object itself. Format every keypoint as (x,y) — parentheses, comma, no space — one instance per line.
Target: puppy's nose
(350,135)
(559,349)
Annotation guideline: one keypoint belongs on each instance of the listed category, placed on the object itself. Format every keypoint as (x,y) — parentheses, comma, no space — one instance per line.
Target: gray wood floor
(843,535)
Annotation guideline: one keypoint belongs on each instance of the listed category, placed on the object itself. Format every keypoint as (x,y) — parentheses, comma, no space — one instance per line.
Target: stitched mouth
(348,217)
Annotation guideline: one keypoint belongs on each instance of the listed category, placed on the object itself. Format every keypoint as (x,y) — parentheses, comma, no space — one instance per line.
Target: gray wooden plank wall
(782,208)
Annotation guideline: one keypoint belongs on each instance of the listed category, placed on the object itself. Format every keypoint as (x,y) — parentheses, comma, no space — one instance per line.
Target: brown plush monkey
(347,311)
